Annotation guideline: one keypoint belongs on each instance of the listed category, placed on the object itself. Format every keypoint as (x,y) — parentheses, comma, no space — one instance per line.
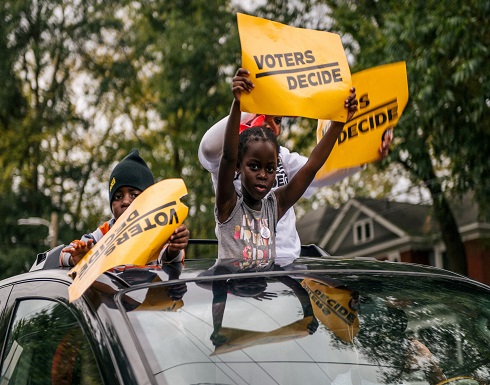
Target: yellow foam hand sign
(332,307)
(138,235)
(296,71)
(382,93)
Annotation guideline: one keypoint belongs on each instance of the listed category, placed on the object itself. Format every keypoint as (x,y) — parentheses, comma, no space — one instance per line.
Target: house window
(363,231)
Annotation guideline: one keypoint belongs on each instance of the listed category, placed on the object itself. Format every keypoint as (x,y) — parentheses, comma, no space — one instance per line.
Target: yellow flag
(296,71)
(138,235)
(382,93)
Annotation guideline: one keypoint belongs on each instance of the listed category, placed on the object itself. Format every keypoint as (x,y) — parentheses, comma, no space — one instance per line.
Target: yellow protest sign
(382,93)
(296,71)
(138,235)
(158,298)
(332,307)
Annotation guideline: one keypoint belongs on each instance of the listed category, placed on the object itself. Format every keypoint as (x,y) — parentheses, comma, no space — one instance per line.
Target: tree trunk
(455,251)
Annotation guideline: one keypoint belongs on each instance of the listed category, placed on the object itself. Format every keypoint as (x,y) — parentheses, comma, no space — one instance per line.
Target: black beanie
(132,171)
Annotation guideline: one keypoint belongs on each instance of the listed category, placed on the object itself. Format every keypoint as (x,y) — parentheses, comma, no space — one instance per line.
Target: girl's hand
(351,104)
(241,83)
(387,138)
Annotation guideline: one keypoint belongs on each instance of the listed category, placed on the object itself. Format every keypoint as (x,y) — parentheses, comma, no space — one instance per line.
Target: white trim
(381,248)
(394,256)
(345,231)
(338,219)
(475,226)
(363,224)
(381,220)
(439,249)
(475,230)
(362,208)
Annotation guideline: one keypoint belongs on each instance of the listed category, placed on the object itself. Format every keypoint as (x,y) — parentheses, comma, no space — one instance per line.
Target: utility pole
(53,230)
(52,239)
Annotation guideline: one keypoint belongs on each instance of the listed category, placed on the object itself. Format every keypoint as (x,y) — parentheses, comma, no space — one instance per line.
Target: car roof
(194,268)
(313,259)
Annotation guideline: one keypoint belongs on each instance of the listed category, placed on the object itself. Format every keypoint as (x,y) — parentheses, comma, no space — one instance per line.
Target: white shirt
(288,245)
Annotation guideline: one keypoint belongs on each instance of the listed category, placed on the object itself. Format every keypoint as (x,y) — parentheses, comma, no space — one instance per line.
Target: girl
(247,219)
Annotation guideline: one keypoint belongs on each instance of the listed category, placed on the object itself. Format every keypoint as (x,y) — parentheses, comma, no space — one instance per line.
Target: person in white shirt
(288,245)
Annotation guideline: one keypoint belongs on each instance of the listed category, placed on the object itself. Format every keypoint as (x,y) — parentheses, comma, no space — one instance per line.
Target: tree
(445,125)
(90,81)
(81,83)
(48,49)
(184,54)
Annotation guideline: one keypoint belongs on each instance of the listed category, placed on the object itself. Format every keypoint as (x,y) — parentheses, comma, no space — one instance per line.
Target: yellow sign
(296,71)
(158,298)
(331,305)
(138,235)
(382,93)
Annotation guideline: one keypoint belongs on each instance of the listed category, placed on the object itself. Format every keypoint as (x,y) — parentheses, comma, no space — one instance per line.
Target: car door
(48,341)
(4,295)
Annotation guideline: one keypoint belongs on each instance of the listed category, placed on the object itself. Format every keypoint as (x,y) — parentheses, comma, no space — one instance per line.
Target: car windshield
(313,329)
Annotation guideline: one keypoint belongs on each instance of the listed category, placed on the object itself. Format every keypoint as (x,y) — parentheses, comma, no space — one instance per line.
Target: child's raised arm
(289,194)
(225,192)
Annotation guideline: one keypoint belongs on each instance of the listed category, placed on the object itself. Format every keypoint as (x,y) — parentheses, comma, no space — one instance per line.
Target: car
(321,320)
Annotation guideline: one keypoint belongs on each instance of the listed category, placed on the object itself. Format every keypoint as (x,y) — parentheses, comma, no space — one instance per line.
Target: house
(398,231)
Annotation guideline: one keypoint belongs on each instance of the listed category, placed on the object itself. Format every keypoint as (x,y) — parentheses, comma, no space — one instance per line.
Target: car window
(46,345)
(333,329)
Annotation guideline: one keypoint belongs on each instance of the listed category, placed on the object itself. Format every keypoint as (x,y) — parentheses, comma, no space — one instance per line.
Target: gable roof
(317,226)
(412,219)
(400,223)
(313,224)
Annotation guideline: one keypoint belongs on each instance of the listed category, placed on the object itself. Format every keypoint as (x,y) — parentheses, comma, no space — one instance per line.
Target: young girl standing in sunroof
(247,219)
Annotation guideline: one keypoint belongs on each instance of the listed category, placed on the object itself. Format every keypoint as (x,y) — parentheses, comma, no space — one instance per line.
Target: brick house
(397,231)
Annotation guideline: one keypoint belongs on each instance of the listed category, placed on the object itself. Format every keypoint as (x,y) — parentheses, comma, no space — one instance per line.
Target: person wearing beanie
(128,179)
(132,171)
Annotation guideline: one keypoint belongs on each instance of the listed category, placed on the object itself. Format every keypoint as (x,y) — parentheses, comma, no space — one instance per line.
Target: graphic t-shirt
(247,238)
(287,240)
